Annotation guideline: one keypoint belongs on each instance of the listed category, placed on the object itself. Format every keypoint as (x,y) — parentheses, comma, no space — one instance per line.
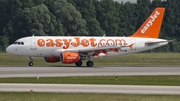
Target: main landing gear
(31,61)
(88,63)
(79,63)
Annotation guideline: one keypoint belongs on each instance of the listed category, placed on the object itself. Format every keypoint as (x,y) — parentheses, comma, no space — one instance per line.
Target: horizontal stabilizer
(149,43)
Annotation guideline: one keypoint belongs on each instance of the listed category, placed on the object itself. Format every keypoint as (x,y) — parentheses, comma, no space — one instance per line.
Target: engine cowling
(52,59)
(70,57)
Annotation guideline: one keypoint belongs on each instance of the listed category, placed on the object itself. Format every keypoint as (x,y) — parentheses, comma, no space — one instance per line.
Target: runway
(80,88)
(85,71)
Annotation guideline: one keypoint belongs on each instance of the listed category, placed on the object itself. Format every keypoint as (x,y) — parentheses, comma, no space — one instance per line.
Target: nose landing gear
(31,61)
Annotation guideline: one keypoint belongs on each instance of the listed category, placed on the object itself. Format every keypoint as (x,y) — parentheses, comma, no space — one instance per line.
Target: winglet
(151,27)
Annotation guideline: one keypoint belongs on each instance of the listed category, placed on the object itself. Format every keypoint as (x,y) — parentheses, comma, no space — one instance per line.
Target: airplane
(74,49)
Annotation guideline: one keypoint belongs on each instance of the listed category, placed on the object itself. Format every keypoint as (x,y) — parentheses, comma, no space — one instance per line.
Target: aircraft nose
(8,49)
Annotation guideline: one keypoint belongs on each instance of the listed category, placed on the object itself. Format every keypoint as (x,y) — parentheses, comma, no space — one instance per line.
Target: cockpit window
(19,43)
(15,43)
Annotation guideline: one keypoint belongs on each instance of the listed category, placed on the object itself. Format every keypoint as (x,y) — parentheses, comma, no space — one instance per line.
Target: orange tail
(151,27)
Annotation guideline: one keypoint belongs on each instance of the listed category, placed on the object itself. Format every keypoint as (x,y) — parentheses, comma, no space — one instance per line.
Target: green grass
(121,80)
(4,96)
(138,59)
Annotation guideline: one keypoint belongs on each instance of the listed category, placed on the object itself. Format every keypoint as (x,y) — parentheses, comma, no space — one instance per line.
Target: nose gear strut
(31,61)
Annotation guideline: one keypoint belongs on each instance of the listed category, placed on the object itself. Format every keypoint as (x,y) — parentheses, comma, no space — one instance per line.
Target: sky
(133,1)
(126,0)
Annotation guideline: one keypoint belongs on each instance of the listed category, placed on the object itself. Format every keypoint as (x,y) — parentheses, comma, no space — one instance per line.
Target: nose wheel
(31,61)
(30,64)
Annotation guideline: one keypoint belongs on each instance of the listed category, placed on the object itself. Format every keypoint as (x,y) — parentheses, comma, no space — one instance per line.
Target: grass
(138,59)
(120,80)
(4,96)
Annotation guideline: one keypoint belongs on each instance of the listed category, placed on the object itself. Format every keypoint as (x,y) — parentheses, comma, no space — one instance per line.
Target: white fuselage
(39,46)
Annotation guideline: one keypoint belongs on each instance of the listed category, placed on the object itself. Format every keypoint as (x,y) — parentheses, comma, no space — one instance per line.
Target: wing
(96,50)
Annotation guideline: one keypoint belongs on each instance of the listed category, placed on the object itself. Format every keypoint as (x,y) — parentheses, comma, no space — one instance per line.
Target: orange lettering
(112,41)
(49,43)
(40,42)
(120,42)
(102,43)
(67,43)
(92,41)
(58,42)
(85,43)
(77,42)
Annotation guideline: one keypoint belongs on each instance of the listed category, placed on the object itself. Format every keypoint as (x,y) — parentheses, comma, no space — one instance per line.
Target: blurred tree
(10,10)
(38,2)
(21,18)
(35,21)
(40,21)
(142,11)
(128,19)
(4,42)
(71,19)
(88,11)
(107,16)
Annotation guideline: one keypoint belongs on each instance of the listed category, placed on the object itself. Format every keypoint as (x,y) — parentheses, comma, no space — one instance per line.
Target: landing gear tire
(78,64)
(89,63)
(31,61)
(30,64)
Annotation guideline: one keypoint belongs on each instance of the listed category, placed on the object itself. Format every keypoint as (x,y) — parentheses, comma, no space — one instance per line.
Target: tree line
(21,18)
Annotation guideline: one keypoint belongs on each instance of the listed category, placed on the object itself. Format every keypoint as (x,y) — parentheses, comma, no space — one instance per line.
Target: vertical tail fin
(151,27)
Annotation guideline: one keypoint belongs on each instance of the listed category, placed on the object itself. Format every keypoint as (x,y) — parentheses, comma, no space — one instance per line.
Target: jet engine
(52,59)
(70,57)
(65,57)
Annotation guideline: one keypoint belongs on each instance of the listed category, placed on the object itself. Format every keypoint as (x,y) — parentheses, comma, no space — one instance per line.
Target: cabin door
(33,43)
